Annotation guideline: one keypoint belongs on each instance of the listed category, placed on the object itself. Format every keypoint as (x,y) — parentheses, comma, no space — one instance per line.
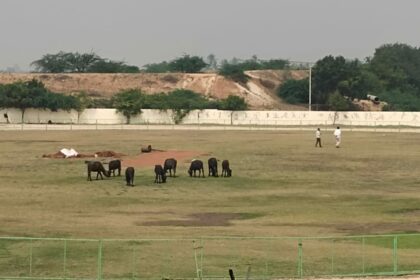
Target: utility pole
(310,87)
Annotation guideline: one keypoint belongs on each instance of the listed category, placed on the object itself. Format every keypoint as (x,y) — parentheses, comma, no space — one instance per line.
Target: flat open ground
(281,186)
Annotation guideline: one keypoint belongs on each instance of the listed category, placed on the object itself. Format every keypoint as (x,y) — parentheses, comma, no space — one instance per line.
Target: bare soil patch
(199,220)
(158,157)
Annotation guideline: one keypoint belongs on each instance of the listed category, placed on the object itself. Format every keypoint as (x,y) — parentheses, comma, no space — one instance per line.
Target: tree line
(34,94)
(68,62)
(392,74)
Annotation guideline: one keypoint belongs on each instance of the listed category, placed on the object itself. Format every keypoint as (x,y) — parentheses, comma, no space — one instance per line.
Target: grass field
(281,186)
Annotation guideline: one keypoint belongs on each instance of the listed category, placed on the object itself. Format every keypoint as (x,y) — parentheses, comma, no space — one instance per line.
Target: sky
(139,32)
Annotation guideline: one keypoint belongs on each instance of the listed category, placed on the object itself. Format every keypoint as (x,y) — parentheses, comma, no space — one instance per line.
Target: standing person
(318,138)
(337,134)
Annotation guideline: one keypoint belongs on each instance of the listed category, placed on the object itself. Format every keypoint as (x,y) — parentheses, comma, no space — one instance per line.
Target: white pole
(310,87)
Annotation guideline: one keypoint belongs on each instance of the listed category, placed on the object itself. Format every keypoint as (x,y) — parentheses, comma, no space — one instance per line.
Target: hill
(259,92)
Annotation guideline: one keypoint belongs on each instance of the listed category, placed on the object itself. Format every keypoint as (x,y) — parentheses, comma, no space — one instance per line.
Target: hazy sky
(146,31)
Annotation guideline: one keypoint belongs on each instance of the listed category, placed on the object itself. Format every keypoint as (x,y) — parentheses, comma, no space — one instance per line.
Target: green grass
(281,186)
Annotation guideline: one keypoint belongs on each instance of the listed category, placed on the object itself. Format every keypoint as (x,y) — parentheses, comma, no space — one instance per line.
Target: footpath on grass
(47,127)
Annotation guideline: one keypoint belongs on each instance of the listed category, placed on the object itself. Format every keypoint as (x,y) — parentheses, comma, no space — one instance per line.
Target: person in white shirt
(337,134)
(318,138)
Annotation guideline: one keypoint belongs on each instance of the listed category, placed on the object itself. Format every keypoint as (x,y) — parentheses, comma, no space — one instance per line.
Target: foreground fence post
(363,255)
(395,255)
(64,258)
(99,276)
(30,258)
(198,267)
(300,259)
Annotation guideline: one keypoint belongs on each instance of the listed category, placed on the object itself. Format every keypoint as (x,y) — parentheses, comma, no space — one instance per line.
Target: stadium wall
(218,117)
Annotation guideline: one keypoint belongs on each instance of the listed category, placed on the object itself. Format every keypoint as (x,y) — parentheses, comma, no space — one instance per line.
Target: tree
(161,67)
(294,91)
(187,64)
(33,94)
(337,102)
(234,72)
(63,62)
(212,62)
(105,66)
(397,65)
(80,63)
(233,103)
(52,63)
(129,103)
(327,73)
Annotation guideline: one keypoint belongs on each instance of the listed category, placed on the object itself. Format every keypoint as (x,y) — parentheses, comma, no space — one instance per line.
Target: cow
(226,171)
(170,164)
(196,165)
(114,165)
(96,166)
(160,174)
(129,176)
(213,167)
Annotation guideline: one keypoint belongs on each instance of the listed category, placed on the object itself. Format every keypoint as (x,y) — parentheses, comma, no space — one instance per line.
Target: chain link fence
(209,258)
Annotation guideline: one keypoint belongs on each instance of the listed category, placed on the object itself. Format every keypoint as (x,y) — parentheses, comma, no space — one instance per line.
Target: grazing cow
(196,165)
(160,174)
(96,166)
(226,171)
(114,165)
(170,164)
(213,167)
(129,176)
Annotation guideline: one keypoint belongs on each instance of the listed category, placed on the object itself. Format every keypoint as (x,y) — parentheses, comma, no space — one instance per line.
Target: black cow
(96,166)
(129,176)
(160,174)
(226,171)
(170,164)
(114,165)
(196,165)
(213,167)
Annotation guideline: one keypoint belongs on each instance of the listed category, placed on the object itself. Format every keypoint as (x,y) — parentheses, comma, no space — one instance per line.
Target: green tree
(397,65)
(233,72)
(80,63)
(337,102)
(294,91)
(326,75)
(105,66)
(52,63)
(161,67)
(129,103)
(212,62)
(63,62)
(187,64)
(33,94)
(233,103)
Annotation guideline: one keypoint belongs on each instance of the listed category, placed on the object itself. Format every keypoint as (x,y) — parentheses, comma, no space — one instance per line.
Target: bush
(294,91)
(401,100)
(234,72)
(233,103)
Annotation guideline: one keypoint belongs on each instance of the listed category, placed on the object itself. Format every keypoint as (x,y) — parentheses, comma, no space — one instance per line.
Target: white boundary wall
(111,116)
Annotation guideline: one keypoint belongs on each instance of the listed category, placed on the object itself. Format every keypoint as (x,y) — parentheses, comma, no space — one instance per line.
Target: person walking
(318,138)
(337,134)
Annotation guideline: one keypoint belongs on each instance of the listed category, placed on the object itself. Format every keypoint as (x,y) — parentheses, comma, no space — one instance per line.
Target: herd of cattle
(160,171)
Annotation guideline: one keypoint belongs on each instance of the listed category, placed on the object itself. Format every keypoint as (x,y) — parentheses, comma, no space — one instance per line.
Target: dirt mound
(259,92)
(108,154)
(158,157)
(97,154)
(61,155)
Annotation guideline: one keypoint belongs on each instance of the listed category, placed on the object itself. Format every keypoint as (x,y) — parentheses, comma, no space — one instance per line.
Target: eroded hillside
(259,92)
